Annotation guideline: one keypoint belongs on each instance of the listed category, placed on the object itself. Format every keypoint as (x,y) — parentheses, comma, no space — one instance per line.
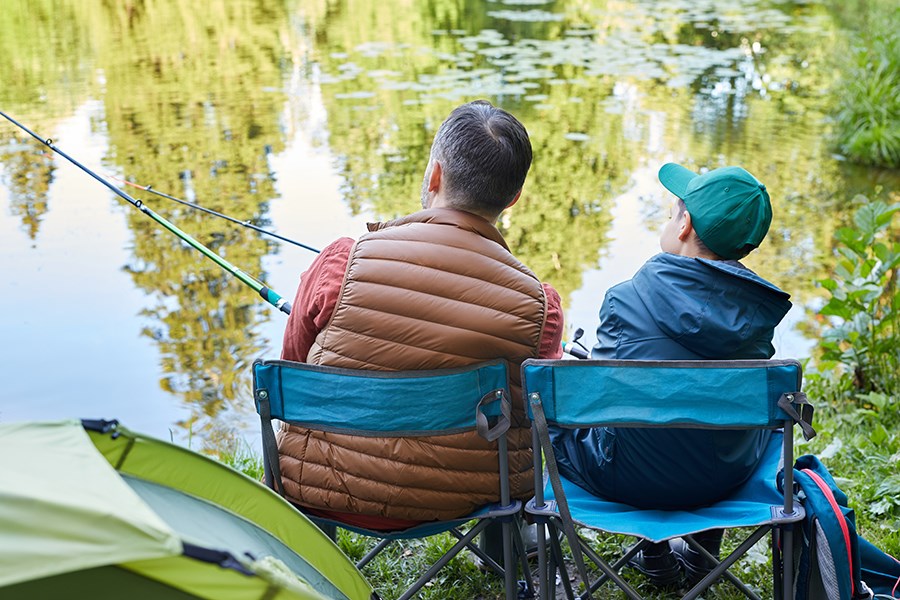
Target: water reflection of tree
(45,47)
(45,56)
(27,173)
(561,224)
(765,112)
(190,110)
(394,72)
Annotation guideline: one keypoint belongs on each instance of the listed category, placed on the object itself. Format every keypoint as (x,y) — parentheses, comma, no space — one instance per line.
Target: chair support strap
(802,414)
(270,446)
(481,421)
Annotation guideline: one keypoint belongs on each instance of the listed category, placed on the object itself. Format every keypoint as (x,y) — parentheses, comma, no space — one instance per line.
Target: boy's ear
(686,227)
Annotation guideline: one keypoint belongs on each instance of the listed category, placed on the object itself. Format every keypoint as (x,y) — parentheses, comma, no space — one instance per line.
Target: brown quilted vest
(436,289)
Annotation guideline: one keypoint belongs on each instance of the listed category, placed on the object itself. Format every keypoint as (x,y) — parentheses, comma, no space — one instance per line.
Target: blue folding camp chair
(399,404)
(745,394)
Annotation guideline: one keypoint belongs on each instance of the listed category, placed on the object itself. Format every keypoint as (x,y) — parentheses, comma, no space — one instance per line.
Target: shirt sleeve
(551,342)
(316,299)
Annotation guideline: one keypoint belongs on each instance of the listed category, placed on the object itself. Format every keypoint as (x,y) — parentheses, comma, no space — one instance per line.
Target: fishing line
(247,223)
(261,288)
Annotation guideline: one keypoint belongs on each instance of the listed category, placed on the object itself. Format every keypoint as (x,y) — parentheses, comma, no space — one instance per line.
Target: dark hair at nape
(485,155)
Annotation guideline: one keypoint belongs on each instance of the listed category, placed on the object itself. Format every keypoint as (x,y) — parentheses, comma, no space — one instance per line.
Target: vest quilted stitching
(437,289)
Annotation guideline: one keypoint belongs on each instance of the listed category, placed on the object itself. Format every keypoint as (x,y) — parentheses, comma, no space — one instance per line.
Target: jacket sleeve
(760,348)
(608,331)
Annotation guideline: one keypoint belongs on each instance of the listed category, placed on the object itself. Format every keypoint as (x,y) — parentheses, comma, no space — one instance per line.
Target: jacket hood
(706,304)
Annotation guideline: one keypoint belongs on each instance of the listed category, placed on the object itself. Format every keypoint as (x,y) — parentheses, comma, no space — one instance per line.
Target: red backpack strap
(845,531)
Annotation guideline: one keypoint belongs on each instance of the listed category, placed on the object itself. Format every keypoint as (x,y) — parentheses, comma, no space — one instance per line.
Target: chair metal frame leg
(486,560)
(550,559)
(777,565)
(620,563)
(509,563)
(610,572)
(519,547)
(509,570)
(787,560)
(721,569)
(543,563)
(373,553)
(556,564)
(442,561)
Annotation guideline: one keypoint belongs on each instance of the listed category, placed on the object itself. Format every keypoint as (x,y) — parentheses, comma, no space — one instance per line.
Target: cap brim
(676,178)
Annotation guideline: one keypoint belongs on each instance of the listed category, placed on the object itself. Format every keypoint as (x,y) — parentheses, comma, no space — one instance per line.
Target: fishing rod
(264,291)
(248,224)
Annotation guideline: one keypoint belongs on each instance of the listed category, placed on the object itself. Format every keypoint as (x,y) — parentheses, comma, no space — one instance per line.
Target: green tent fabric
(110,513)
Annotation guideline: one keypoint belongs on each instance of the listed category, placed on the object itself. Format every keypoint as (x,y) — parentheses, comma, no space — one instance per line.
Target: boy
(694,301)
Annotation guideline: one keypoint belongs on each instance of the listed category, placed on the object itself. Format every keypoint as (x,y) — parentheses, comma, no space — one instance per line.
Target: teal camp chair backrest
(396,404)
(378,403)
(631,393)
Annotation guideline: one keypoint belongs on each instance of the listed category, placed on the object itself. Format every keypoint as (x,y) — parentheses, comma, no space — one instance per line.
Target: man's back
(437,289)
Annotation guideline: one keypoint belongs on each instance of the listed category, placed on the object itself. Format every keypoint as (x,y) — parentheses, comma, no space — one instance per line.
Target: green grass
(860,445)
(398,567)
(241,457)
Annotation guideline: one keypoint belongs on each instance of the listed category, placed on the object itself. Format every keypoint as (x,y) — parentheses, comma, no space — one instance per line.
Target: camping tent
(92,510)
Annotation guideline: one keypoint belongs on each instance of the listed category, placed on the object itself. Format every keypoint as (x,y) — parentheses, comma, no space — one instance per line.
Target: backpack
(831,560)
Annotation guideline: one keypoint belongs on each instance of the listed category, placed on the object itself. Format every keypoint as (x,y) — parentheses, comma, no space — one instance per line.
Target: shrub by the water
(855,381)
(868,93)
(862,340)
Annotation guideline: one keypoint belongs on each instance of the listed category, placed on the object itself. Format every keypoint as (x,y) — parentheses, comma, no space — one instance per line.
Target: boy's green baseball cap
(729,208)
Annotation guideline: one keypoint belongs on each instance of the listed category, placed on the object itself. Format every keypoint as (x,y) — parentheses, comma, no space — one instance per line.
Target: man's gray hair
(485,155)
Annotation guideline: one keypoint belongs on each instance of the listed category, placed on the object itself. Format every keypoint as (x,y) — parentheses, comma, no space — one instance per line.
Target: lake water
(311,118)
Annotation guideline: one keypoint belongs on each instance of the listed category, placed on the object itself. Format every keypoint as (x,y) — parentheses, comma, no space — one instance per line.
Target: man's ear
(516,199)
(686,227)
(437,173)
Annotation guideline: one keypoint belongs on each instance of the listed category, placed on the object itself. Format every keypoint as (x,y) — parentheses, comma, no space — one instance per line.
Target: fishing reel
(576,348)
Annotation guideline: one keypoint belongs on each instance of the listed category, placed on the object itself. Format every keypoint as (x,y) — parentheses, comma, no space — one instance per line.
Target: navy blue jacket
(676,308)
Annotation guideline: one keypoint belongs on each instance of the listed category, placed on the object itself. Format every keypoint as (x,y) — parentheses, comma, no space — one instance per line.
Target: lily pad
(577,136)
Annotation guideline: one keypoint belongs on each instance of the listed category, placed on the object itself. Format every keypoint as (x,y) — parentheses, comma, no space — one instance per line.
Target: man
(694,301)
(434,289)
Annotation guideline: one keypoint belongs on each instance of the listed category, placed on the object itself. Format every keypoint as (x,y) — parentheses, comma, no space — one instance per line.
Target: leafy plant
(860,361)
(864,308)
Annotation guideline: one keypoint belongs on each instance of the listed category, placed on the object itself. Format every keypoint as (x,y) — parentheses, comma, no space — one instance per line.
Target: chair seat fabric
(751,505)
